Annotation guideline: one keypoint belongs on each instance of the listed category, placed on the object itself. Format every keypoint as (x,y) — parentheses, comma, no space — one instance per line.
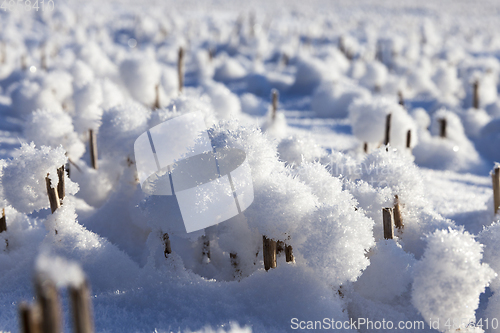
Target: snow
(230,69)
(375,284)
(368,117)
(53,128)
(23,179)
(140,76)
(451,262)
(310,73)
(320,171)
(64,273)
(333,100)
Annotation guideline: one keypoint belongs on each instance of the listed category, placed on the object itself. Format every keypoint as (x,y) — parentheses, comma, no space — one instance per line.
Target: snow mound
(141,76)
(333,99)
(53,128)
(369,116)
(23,178)
(450,277)
(62,272)
(452,152)
(375,283)
(296,149)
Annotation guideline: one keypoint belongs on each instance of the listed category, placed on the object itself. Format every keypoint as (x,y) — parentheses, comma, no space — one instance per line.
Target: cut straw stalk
(50,306)
(45,315)
(60,186)
(3,221)
(289,253)
(475,95)
(180,68)
(442,127)
(401,100)
(205,247)
(408,139)
(287,249)
(24,64)
(398,219)
(82,308)
(495,177)
(388,223)
(56,195)
(93,149)
(53,195)
(387,129)
(43,60)
(269,253)
(285,59)
(3,53)
(275,100)
(156,104)
(166,242)
(29,316)
(211,54)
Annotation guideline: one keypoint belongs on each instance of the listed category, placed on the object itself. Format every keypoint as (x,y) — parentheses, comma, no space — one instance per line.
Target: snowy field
(377,104)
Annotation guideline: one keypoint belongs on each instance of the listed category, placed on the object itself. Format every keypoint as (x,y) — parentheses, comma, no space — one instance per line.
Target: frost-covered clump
(349,45)
(375,76)
(378,179)
(419,79)
(253,105)
(446,80)
(474,120)
(53,128)
(335,241)
(141,77)
(23,178)
(310,72)
(368,120)
(29,96)
(229,69)
(296,149)
(375,283)
(489,238)
(82,74)
(59,83)
(483,72)
(88,111)
(357,69)
(489,140)
(262,158)
(94,56)
(333,99)
(334,238)
(422,119)
(307,209)
(59,270)
(279,206)
(225,103)
(203,65)
(450,277)
(277,126)
(191,100)
(487,89)
(121,125)
(448,148)
(396,171)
